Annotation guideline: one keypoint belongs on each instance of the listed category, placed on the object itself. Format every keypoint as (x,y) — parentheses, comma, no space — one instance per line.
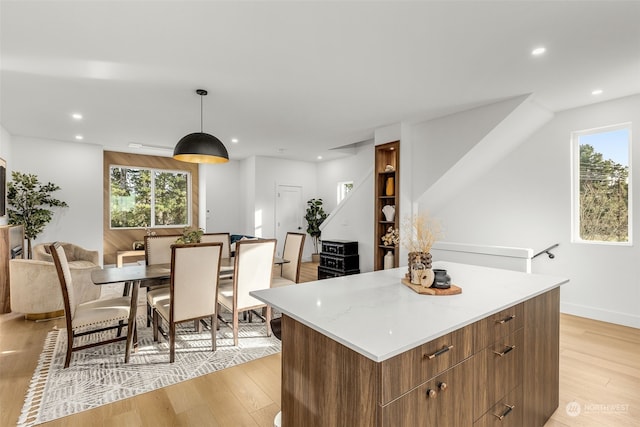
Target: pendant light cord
(201,114)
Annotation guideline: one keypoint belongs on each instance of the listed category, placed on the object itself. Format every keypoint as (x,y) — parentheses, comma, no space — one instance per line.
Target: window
(602,184)
(142,197)
(343,190)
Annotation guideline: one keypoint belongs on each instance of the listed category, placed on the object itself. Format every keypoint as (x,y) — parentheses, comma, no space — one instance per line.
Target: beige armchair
(35,289)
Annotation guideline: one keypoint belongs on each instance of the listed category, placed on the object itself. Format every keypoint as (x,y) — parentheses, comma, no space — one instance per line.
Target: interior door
(289,213)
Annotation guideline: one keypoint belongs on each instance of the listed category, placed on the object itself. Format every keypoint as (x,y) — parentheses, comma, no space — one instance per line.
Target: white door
(289,213)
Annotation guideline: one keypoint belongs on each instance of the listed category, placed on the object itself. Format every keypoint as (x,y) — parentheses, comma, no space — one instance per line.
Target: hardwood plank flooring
(599,374)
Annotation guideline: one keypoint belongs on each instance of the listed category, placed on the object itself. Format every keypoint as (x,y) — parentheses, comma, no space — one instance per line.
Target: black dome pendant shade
(199,147)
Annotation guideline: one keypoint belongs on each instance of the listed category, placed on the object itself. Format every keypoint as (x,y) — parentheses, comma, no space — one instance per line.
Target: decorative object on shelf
(389,260)
(28,201)
(200,147)
(389,212)
(442,280)
(389,188)
(389,168)
(391,237)
(138,245)
(190,236)
(419,234)
(315,216)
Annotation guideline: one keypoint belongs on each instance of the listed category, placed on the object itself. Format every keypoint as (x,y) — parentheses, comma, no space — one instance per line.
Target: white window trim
(575,185)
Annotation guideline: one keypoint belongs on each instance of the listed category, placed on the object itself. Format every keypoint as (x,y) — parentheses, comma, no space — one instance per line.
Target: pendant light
(200,147)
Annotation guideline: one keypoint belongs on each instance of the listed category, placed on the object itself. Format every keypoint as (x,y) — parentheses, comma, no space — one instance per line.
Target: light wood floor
(599,374)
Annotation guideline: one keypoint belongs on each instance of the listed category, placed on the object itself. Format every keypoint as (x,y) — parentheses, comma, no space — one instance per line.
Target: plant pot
(315,258)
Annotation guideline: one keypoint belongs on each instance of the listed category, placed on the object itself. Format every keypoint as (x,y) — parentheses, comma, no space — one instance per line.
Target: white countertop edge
(299,305)
(408,346)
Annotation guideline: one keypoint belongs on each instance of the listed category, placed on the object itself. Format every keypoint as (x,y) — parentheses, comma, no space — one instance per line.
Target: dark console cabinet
(338,258)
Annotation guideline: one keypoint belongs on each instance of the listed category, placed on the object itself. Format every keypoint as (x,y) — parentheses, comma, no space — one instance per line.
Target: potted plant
(29,201)
(315,216)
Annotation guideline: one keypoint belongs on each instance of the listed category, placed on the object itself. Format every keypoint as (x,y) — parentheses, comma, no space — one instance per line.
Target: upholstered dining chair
(92,316)
(157,250)
(253,270)
(195,271)
(225,239)
(292,252)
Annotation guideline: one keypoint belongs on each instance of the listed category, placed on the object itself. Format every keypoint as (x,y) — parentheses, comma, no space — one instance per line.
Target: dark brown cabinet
(338,258)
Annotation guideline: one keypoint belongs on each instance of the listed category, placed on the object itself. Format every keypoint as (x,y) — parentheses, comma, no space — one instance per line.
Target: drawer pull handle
(505,351)
(442,386)
(506,319)
(505,413)
(440,352)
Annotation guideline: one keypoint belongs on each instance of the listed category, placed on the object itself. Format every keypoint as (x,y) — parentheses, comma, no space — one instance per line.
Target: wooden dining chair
(157,250)
(195,271)
(252,272)
(292,252)
(225,239)
(92,316)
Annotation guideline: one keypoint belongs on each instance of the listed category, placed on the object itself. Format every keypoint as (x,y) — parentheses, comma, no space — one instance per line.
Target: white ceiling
(296,79)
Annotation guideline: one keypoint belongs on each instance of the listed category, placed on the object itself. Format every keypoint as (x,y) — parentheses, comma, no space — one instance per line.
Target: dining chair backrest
(157,249)
(195,268)
(64,277)
(292,252)
(253,270)
(224,238)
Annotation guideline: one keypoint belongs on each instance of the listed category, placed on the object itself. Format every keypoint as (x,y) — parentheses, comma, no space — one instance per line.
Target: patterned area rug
(98,375)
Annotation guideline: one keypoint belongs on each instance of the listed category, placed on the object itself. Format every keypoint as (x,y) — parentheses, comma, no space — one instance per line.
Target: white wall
(77,170)
(224,199)
(353,219)
(525,201)
(5,153)
(271,172)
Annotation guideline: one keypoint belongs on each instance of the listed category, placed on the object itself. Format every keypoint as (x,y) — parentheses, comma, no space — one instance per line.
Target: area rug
(98,375)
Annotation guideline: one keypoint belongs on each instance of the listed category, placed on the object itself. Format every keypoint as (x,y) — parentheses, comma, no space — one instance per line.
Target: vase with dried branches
(419,233)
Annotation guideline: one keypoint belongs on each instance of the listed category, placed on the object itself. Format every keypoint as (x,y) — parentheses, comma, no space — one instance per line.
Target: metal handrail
(546,251)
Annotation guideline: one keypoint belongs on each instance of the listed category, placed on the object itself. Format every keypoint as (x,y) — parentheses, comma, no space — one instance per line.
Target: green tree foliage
(131,198)
(604,197)
(29,202)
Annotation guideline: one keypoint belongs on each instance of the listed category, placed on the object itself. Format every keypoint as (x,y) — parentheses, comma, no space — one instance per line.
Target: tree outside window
(143,198)
(603,184)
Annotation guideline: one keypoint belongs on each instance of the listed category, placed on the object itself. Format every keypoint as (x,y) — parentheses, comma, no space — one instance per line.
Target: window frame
(575,184)
(341,193)
(152,172)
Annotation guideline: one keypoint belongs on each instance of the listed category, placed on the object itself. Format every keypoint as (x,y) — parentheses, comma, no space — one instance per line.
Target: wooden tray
(453,290)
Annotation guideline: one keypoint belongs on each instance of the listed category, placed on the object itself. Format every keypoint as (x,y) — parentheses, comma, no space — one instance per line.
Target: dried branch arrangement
(420,232)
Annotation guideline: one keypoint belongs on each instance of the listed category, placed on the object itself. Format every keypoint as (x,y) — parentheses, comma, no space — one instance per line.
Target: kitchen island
(365,350)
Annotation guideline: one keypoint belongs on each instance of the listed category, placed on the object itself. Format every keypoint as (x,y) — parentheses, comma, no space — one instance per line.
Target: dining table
(136,275)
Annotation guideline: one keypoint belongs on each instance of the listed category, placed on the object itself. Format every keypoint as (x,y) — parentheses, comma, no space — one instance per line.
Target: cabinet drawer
(406,371)
(498,370)
(508,412)
(327,273)
(340,263)
(447,405)
(498,325)
(339,247)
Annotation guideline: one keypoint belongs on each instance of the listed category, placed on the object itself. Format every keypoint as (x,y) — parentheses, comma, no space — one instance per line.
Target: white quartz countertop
(379,317)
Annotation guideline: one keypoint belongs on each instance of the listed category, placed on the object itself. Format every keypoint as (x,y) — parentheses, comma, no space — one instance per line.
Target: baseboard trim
(616,317)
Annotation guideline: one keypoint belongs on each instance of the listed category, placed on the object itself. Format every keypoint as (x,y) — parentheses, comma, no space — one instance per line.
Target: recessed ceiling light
(596,92)
(135,145)
(77,116)
(538,51)
(234,140)
(319,157)
(79,137)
